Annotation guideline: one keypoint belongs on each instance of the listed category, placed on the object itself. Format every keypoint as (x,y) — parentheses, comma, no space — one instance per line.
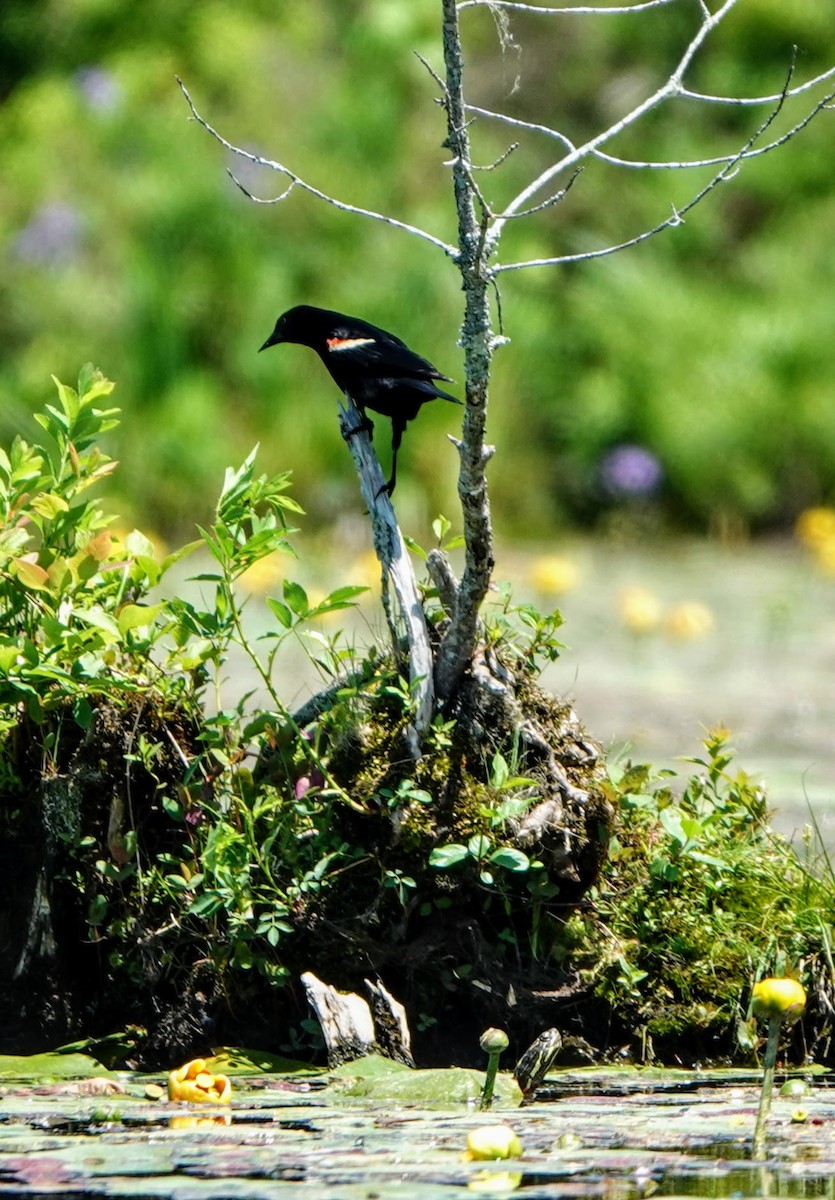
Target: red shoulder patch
(339,343)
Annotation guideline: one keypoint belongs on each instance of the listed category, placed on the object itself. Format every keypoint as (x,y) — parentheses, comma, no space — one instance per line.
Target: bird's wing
(382,355)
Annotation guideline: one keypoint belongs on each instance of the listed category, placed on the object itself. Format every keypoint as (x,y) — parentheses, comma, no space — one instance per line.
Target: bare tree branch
(798,90)
(297,181)
(677,218)
(743,156)
(670,88)
(682,93)
(457,647)
(581,10)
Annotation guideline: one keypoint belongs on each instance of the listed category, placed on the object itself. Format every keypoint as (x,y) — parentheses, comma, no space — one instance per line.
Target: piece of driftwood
(353,1028)
(390,1023)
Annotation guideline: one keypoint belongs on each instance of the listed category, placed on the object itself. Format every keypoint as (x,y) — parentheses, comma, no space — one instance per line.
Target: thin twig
(670,88)
(581,10)
(826,102)
(727,172)
(297,181)
(798,90)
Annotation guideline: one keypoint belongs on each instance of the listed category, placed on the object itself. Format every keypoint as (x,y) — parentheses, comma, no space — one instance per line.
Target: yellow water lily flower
(783,998)
(194,1083)
(640,610)
(689,620)
(815,526)
(554,574)
(489,1142)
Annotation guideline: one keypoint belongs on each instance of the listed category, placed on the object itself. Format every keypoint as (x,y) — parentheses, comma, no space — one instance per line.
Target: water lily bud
(493,1141)
(494,1041)
(795,1088)
(779,998)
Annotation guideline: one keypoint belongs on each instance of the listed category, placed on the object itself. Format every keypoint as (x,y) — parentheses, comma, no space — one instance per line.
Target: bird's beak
(272,340)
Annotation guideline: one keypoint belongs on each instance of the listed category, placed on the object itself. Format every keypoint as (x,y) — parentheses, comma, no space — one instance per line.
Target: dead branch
(728,171)
(397,568)
(297,182)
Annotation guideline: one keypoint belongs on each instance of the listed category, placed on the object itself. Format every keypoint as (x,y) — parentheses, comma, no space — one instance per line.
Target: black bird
(376,369)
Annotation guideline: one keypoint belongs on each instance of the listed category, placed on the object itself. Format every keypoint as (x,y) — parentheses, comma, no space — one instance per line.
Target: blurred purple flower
(303,784)
(630,470)
(52,235)
(98,88)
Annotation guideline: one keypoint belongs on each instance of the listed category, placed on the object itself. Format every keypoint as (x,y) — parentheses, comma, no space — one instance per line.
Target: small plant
(779,1002)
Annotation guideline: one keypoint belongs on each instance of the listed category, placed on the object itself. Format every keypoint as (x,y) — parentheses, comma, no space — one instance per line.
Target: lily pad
(237,1060)
(45,1068)
(381,1080)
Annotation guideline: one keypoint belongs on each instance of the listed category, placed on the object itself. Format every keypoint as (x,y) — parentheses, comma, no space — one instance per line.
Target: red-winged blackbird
(373,367)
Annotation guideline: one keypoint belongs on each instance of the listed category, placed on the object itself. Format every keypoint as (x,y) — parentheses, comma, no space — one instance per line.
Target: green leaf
(692,828)
(281,612)
(441,527)
(419,795)
(101,620)
(139,546)
(134,616)
(479,845)
(340,598)
(9,655)
(443,857)
(206,905)
(31,574)
(172,808)
(296,598)
(49,505)
(499,771)
(510,859)
(82,712)
(412,545)
(671,821)
(97,910)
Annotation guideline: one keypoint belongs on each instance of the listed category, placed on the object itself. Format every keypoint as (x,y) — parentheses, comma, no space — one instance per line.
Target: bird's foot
(365,426)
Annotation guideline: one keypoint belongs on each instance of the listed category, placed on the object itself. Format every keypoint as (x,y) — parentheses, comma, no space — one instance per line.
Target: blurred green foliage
(125,242)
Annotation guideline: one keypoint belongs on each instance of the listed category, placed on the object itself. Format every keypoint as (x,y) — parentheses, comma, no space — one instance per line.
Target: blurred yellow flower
(689,620)
(824,554)
(364,571)
(815,526)
(784,998)
(194,1083)
(263,575)
(491,1142)
(640,610)
(553,574)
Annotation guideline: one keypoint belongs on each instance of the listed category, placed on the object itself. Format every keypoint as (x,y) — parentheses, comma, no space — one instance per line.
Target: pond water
(613,1136)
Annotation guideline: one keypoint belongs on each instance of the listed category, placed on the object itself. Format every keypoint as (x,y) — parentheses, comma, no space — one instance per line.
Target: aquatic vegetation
(492,1142)
(192,1082)
(493,1042)
(780,1002)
